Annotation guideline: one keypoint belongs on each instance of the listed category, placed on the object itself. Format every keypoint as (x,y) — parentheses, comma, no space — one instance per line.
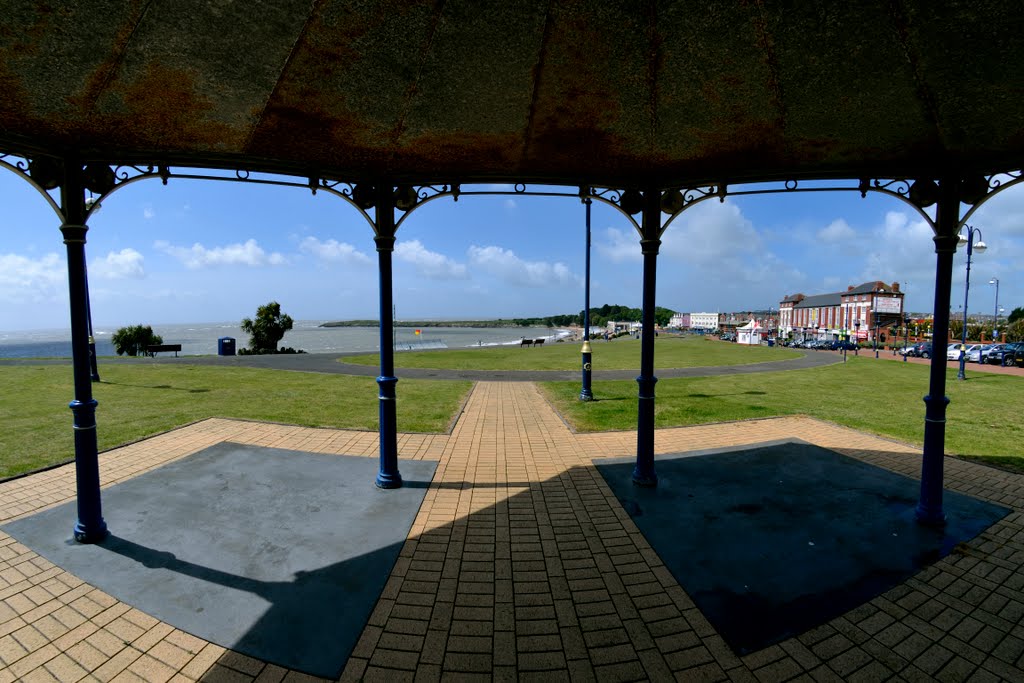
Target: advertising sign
(887,304)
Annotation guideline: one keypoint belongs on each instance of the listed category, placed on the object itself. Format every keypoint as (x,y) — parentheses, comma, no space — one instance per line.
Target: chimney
(849,288)
(896,287)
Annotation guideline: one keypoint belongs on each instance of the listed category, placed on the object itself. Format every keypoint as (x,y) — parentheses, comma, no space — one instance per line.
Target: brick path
(521,564)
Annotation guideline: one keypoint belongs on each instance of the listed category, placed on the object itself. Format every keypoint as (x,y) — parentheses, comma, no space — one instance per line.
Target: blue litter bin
(226,346)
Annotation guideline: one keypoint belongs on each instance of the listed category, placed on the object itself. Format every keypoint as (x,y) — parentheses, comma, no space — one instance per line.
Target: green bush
(134,339)
(266,329)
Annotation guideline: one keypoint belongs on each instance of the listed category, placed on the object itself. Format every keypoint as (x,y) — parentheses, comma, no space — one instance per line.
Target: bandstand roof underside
(599,92)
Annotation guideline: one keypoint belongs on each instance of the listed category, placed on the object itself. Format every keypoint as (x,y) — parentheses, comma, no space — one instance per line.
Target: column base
(645,480)
(84,534)
(930,518)
(388,481)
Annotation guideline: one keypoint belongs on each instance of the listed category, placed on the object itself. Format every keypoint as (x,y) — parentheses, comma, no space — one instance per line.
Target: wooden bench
(538,342)
(154,349)
(525,342)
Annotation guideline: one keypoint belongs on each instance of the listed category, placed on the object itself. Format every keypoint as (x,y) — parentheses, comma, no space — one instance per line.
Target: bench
(525,342)
(538,342)
(154,349)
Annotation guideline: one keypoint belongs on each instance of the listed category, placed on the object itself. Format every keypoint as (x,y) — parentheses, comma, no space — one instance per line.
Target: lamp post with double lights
(995,317)
(973,245)
(856,334)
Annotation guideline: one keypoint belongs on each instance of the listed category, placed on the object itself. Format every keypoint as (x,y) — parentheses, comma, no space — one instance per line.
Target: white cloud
(618,245)
(835,232)
(505,265)
(148,212)
(428,263)
(333,251)
(902,248)
(197,256)
(711,231)
(116,265)
(24,279)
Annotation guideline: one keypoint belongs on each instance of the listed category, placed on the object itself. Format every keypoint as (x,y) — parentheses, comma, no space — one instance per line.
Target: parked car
(953,351)
(994,355)
(841,344)
(921,350)
(975,352)
(1014,354)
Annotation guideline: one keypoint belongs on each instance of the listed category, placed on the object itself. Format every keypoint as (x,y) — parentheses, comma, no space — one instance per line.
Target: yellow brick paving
(522,565)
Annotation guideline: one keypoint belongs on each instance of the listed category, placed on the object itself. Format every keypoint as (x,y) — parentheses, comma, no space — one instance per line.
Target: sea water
(201,338)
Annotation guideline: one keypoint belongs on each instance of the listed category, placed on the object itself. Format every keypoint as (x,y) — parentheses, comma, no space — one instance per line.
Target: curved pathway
(333,363)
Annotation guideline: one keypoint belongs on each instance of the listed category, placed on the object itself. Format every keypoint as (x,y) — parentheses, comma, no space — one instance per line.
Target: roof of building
(559,91)
(820,301)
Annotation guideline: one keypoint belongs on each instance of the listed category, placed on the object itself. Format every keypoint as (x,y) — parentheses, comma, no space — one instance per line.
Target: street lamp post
(995,318)
(586,393)
(856,333)
(906,335)
(876,334)
(971,248)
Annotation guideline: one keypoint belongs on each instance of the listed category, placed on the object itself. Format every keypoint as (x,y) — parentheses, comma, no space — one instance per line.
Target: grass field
(885,398)
(619,354)
(137,400)
(881,397)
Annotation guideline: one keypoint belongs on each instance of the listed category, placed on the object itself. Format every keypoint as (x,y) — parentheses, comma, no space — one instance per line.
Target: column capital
(73,234)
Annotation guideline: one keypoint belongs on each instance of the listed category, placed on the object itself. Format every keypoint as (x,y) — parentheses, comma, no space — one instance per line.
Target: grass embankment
(881,397)
(139,400)
(618,354)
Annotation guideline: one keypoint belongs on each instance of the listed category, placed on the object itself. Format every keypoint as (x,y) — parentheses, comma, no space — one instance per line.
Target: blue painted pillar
(947,224)
(650,241)
(586,393)
(90,527)
(388,476)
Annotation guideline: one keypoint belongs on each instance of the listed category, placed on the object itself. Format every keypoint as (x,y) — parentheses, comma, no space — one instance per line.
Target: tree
(133,340)
(1015,315)
(267,329)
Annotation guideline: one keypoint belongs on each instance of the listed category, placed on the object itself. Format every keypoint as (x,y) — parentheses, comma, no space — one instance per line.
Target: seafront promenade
(521,562)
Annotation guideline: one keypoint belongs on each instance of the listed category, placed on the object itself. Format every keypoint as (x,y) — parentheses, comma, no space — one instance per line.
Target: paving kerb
(520,562)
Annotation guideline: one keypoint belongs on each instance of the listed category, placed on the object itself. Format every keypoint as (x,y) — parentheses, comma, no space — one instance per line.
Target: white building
(704,321)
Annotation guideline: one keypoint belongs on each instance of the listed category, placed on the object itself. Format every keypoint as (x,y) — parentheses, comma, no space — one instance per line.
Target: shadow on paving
(282,555)
(773,540)
(276,554)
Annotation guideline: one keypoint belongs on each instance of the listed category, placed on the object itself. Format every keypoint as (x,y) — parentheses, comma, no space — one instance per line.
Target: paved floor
(521,563)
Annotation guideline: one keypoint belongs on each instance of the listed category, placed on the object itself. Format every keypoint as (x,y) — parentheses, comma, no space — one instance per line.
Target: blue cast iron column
(90,527)
(947,223)
(586,394)
(650,241)
(388,476)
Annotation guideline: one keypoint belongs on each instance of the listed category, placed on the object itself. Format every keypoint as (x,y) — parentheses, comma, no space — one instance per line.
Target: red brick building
(857,312)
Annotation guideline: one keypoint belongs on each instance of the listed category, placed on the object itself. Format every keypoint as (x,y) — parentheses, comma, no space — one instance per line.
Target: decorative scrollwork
(425,192)
(996,181)
(696,194)
(14,162)
(608,194)
(897,186)
(129,172)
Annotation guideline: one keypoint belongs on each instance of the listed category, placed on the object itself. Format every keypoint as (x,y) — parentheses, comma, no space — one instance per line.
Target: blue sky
(195,251)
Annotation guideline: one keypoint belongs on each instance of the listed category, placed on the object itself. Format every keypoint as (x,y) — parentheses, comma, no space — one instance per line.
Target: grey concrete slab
(278,554)
(772,540)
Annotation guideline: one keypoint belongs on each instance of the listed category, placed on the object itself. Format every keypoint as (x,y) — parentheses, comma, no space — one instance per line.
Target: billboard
(888,304)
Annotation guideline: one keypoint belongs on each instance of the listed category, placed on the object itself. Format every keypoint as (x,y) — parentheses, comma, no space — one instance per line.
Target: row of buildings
(861,312)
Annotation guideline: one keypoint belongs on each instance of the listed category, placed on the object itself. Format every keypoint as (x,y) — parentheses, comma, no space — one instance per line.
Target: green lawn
(879,397)
(618,354)
(137,400)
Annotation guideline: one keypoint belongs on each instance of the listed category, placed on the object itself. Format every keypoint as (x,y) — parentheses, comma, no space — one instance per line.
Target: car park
(842,344)
(953,351)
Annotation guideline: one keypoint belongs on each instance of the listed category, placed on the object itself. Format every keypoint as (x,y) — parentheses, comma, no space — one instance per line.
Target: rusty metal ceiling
(605,92)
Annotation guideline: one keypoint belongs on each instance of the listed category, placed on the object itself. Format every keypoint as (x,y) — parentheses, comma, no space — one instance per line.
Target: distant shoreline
(439,323)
